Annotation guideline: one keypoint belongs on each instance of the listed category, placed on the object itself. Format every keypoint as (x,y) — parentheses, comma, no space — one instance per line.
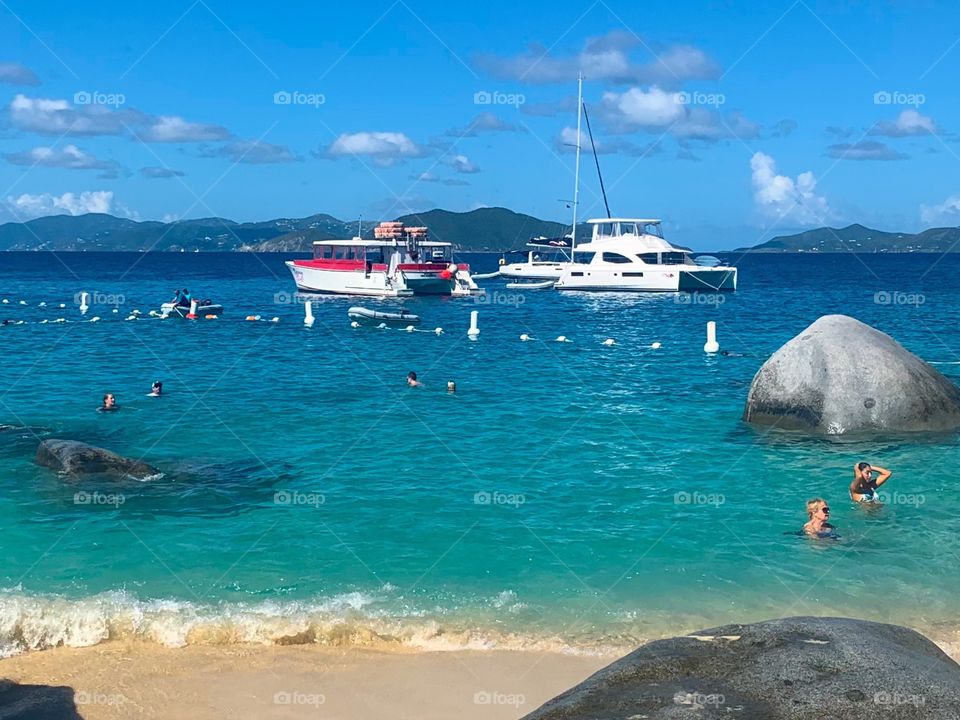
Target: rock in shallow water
(843,376)
(77,458)
(800,668)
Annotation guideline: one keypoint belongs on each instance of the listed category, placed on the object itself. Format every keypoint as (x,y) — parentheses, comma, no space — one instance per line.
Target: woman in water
(864,486)
(819,513)
(109,403)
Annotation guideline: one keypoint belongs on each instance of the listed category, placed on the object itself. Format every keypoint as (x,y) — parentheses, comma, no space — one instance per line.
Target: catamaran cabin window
(323,252)
(584,258)
(612,257)
(653,229)
(672,258)
(649,258)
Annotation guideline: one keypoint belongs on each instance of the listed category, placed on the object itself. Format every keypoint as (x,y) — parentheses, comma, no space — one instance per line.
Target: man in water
(109,403)
(157,389)
(412,380)
(819,513)
(864,485)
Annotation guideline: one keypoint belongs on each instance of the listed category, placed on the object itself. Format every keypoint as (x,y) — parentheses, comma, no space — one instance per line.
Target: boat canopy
(360,242)
(544,242)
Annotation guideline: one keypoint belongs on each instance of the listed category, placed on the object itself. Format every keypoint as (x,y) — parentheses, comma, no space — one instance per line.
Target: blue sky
(732,121)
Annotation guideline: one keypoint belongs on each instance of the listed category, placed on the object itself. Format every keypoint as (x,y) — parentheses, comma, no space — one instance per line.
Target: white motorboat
(398,262)
(630,254)
(543,259)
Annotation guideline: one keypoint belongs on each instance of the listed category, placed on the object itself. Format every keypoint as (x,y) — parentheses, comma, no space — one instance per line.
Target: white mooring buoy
(84,296)
(609,342)
(474,330)
(308,318)
(711,346)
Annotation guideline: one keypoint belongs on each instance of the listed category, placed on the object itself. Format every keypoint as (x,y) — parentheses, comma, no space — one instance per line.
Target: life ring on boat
(502,262)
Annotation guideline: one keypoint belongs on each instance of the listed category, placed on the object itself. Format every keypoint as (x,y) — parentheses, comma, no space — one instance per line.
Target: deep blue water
(568,493)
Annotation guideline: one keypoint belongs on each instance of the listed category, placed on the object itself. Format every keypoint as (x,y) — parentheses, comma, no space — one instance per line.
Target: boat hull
(536,271)
(345,282)
(654,279)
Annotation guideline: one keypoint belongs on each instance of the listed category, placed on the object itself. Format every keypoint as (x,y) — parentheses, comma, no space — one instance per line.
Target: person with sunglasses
(818,525)
(864,485)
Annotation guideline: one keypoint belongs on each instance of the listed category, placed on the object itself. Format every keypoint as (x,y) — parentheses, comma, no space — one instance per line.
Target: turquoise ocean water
(569,495)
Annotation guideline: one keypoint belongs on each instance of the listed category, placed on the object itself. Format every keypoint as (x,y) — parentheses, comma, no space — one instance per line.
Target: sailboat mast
(576,173)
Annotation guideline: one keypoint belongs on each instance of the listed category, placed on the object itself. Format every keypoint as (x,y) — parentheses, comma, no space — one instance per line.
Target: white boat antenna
(576,172)
(360,227)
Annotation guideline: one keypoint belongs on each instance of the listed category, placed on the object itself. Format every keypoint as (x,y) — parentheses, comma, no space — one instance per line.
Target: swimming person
(819,514)
(109,403)
(412,379)
(156,390)
(864,486)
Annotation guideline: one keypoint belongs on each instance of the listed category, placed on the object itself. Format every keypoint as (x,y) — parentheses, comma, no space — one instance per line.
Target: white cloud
(864,150)
(945,213)
(604,58)
(160,172)
(645,109)
(462,164)
(909,122)
(59,117)
(781,197)
(431,178)
(567,142)
(385,148)
(28,206)
(70,156)
(485,122)
(17,74)
(174,129)
(253,152)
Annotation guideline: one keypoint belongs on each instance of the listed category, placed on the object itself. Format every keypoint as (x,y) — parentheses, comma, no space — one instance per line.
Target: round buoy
(42,304)
(524,337)
(252,318)
(410,328)
(609,342)
(354,324)
(438,331)
(562,338)
(210,317)
(656,346)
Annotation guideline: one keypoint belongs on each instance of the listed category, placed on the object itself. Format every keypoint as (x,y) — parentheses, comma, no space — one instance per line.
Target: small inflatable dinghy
(403,316)
(173,310)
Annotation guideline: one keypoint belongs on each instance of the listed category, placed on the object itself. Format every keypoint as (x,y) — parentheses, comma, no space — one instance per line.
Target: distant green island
(481,230)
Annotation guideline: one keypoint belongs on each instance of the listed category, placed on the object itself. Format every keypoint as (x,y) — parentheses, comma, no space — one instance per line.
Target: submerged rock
(77,458)
(800,668)
(841,375)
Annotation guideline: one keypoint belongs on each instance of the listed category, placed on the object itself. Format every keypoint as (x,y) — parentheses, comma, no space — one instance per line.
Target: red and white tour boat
(399,261)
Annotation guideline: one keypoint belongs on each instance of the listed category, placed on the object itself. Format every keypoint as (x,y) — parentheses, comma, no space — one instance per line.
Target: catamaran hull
(526,271)
(667,280)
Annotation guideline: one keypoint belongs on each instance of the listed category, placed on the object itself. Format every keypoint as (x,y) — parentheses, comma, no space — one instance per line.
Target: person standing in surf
(864,485)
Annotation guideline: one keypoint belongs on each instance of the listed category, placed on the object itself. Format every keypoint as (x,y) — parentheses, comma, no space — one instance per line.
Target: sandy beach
(139,680)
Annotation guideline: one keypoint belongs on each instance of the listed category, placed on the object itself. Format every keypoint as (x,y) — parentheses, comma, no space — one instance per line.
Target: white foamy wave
(36,622)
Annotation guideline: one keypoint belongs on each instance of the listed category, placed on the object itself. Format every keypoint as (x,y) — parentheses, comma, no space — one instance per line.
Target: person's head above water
(864,470)
(109,402)
(156,388)
(818,508)
(412,379)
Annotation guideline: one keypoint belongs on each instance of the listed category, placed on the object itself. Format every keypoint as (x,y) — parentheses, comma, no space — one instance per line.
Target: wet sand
(140,680)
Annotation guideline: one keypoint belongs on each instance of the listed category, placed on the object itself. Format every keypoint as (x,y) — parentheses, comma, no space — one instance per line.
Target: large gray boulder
(800,668)
(843,376)
(77,458)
